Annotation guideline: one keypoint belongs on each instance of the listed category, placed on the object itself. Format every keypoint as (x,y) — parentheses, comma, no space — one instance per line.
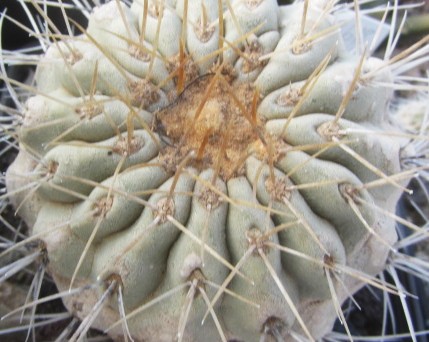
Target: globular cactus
(210,170)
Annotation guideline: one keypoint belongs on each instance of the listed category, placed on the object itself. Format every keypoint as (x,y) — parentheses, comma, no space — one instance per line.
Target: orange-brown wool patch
(215,120)
(182,66)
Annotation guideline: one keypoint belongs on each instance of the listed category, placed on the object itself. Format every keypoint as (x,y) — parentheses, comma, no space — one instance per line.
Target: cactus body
(200,178)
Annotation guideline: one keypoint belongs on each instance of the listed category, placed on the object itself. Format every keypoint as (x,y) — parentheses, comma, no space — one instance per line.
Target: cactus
(194,172)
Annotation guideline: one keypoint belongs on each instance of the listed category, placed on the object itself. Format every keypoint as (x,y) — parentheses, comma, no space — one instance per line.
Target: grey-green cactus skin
(91,136)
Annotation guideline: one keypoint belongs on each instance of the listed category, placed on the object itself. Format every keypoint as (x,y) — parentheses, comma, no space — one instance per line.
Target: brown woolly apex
(217,173)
